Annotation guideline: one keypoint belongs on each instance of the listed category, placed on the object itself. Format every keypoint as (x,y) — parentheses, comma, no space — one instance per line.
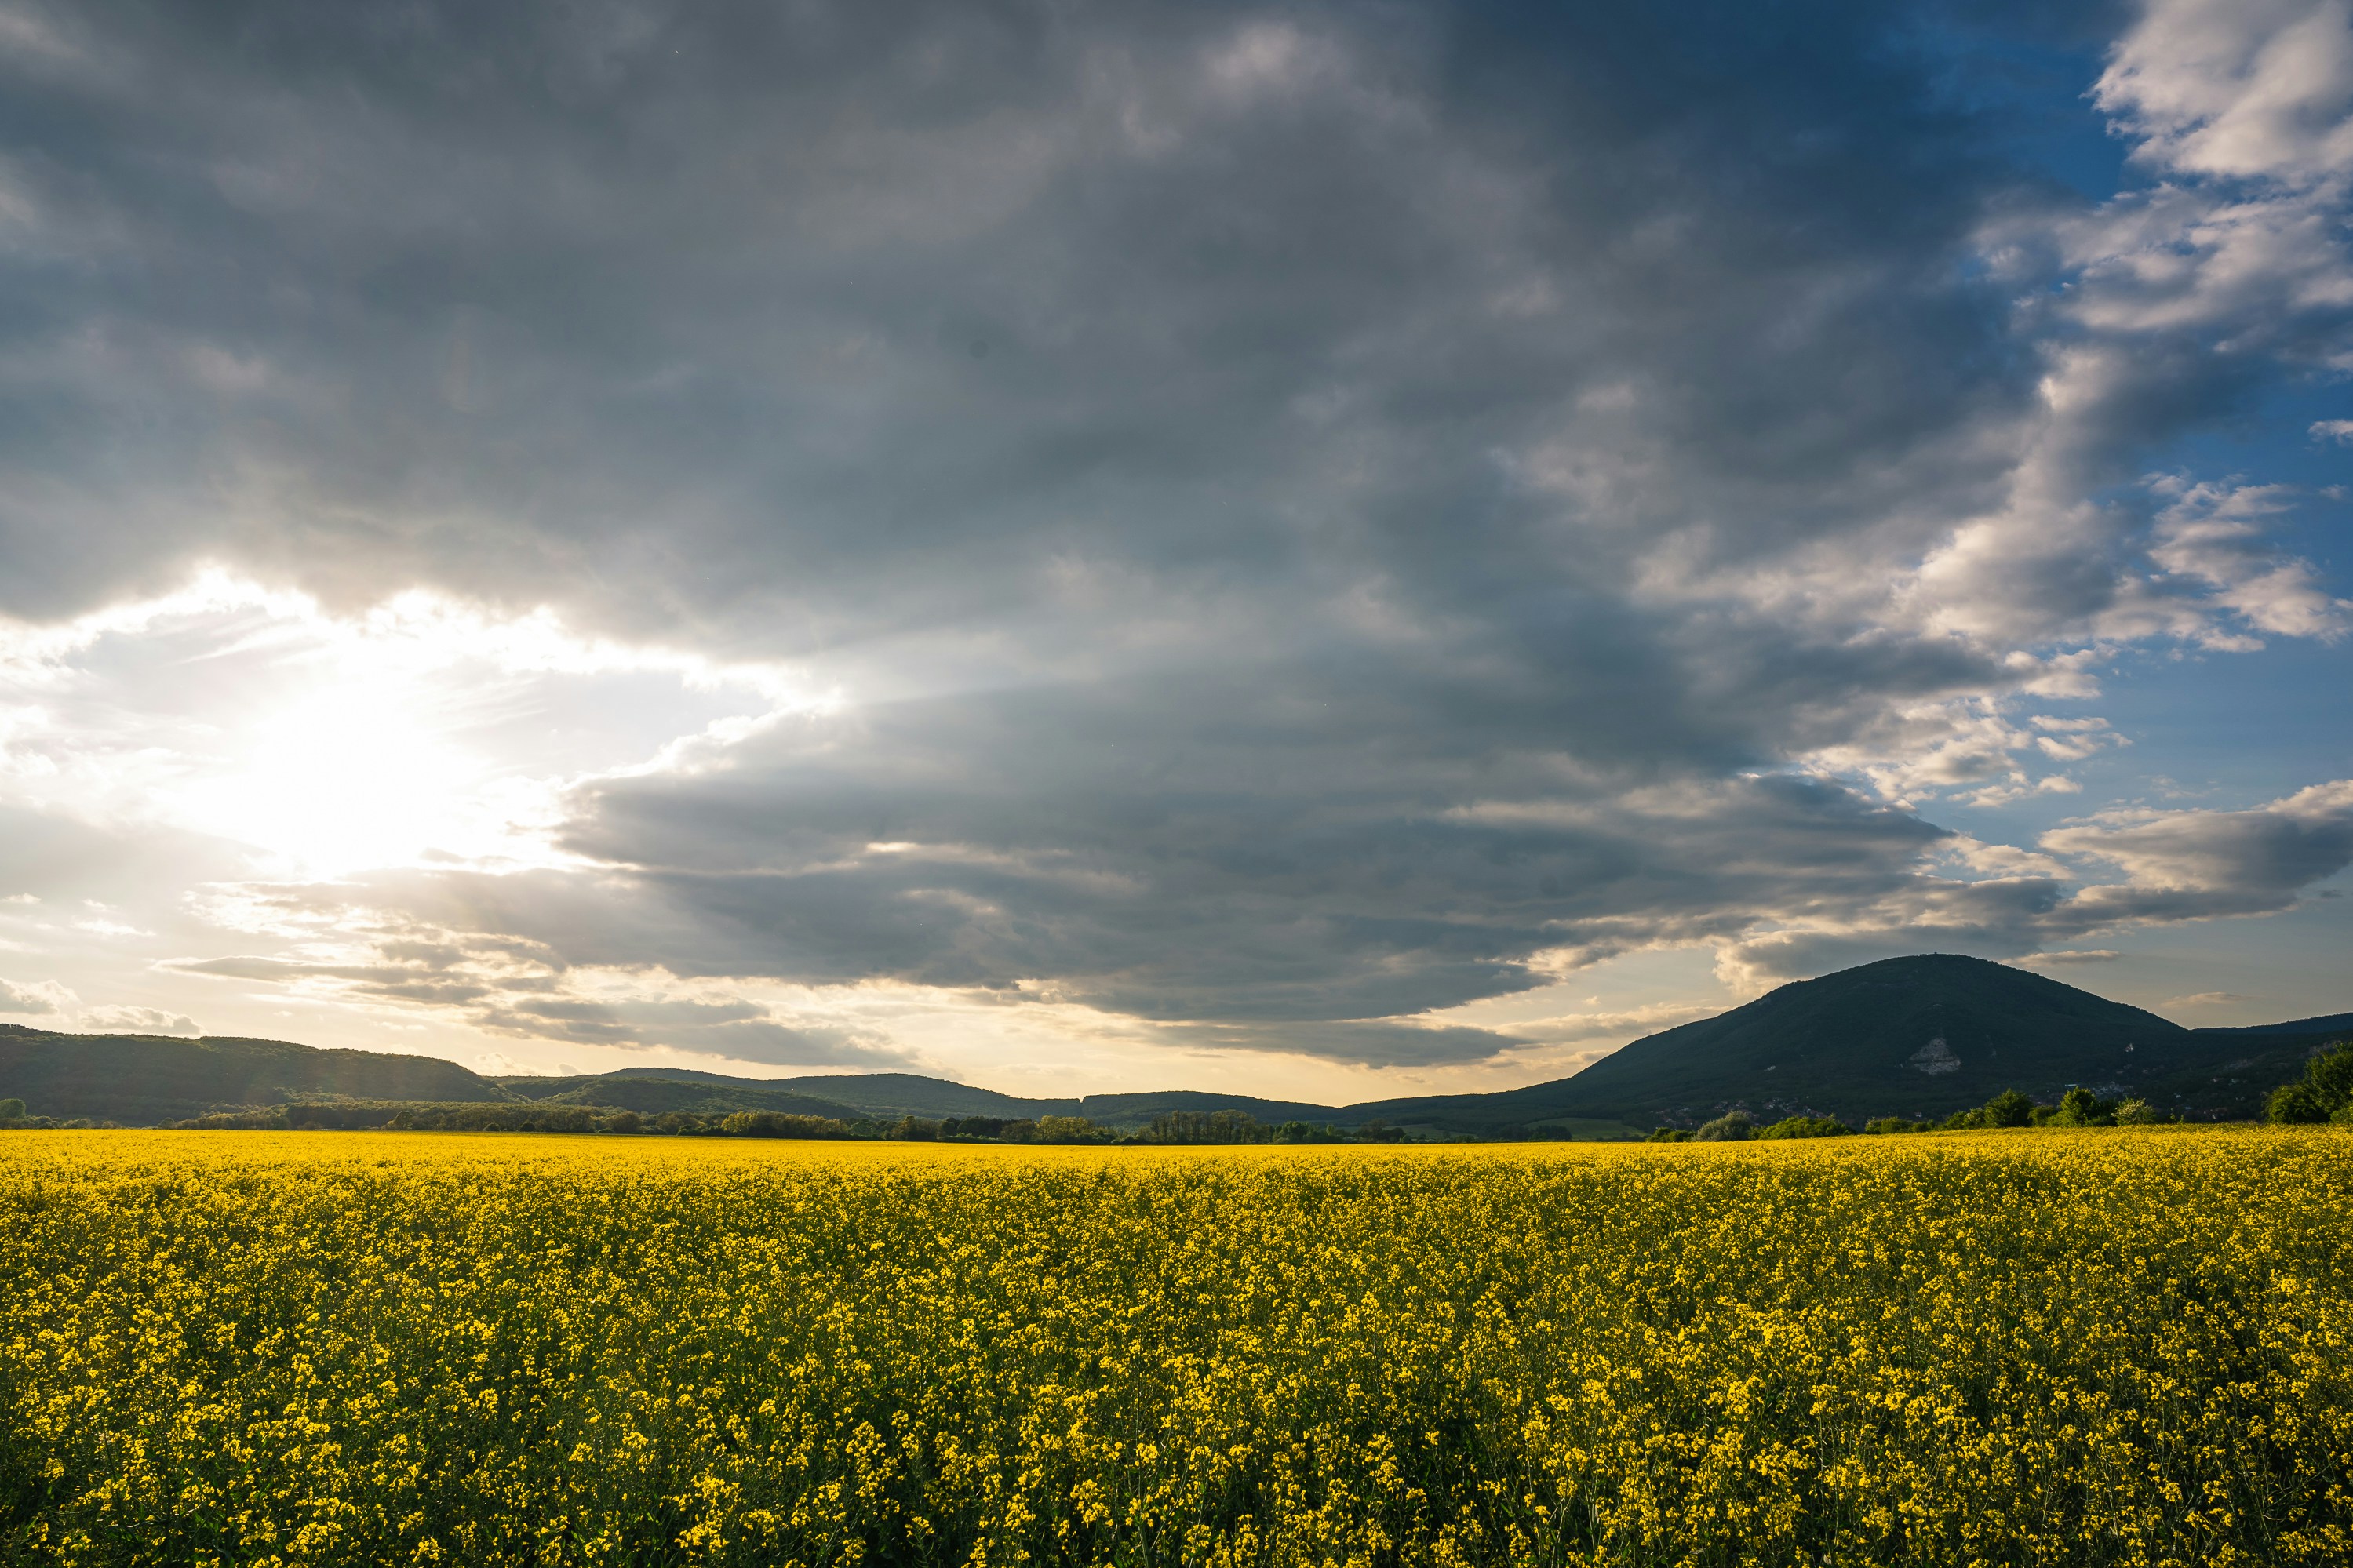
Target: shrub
(1894,1124)
(12,1110)
(780,1124)
(2138,1113)
(1668,1135)
(1730,1128)
(2081,1108)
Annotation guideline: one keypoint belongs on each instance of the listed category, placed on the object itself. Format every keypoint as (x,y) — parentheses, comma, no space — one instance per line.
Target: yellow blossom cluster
(2033,1347)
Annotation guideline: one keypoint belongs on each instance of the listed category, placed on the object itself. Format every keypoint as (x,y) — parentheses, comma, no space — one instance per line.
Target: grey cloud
(1319,513)
(1353,909)
(1351,903)
(460,972)
(737,1034)
(898,306)
(2176,866)
(247,968)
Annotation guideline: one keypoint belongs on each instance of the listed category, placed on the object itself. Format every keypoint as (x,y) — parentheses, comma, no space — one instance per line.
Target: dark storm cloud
(1300,921)
(869,315)
(1207,870)
(1314,508)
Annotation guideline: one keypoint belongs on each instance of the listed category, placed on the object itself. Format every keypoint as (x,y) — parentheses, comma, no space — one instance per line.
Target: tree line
(2324,1094)
(2077,1108)
(1174,1127)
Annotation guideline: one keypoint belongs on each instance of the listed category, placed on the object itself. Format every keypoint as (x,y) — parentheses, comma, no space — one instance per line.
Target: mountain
(2334,1024)
(1136,1110)
(143,1079)
(911,1094)
(882,1095)
(1919,1036)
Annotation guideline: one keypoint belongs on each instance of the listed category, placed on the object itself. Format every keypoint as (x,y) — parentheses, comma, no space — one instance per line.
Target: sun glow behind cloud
(419,732)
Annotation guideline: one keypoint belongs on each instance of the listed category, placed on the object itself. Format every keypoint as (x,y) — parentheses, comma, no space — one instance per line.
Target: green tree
(2081,1108)
(1207,1126)
(972,1127)
(2009,1108)
(2325,1093)
(12,1110)
(1732,1127)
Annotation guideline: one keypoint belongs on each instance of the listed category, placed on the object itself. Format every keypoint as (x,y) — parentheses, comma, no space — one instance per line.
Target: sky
(1321,551)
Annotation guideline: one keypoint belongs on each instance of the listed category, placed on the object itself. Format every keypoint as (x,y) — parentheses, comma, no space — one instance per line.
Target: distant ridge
(144,1080)
(1923,1036)
(851,1096)
(651,1091)
(2333,1024)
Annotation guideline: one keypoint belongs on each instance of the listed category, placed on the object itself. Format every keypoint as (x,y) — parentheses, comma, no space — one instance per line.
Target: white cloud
(137,1021)
(36,997)
(2240,88)
(327,743)
(2185,864)
(2214,534)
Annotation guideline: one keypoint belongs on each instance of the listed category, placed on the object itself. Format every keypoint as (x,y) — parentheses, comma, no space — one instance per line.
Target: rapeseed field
(2102,1347)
